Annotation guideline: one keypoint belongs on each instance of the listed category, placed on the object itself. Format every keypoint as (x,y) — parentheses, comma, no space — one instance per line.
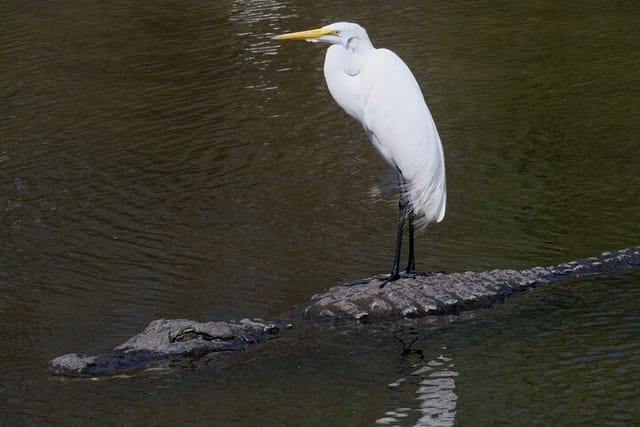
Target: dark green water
(167,159)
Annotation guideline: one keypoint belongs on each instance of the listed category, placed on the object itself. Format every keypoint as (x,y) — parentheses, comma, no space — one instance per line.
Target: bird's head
(347,34)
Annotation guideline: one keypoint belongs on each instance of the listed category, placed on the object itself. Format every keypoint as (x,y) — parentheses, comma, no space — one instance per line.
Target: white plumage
(377,88)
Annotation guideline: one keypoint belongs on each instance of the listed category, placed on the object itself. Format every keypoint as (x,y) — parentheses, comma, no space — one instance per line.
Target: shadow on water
(163,159)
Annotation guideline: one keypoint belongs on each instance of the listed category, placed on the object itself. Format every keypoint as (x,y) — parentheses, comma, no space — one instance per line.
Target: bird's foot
(390,278)
(366,280)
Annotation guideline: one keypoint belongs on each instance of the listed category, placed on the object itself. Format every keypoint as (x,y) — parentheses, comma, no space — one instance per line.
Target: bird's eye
(335,33)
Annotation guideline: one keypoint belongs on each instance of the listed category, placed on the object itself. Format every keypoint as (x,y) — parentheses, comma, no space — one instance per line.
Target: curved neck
(360,44)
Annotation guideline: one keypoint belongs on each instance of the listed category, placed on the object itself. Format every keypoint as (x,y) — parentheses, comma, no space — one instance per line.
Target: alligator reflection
(436,396)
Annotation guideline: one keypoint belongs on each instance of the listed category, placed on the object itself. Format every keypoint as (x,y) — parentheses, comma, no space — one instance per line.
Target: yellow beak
(306,35)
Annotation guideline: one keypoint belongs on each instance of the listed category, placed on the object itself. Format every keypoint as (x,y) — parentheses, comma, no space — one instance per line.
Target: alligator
(182,342)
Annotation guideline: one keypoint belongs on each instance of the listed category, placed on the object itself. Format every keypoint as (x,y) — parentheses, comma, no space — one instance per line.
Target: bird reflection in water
(435,393)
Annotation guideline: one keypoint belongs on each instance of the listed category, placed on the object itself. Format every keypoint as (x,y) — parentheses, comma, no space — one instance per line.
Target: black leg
(395,270)
(411,264)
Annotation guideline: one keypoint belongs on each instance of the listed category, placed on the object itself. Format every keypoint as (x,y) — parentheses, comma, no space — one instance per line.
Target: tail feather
(427,192)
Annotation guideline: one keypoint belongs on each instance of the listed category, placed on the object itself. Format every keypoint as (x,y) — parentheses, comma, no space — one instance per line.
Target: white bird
(376,87)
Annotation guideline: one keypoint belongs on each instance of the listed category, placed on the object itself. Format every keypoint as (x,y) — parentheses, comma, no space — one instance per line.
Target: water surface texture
(167,159)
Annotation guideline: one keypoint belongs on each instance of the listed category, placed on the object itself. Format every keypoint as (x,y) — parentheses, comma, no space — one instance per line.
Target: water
(166,159)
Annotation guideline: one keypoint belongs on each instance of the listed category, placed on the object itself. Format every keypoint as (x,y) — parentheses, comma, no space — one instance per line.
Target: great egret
(377,88)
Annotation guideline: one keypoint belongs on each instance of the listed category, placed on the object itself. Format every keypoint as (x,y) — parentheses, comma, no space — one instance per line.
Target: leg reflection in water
(435,394)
